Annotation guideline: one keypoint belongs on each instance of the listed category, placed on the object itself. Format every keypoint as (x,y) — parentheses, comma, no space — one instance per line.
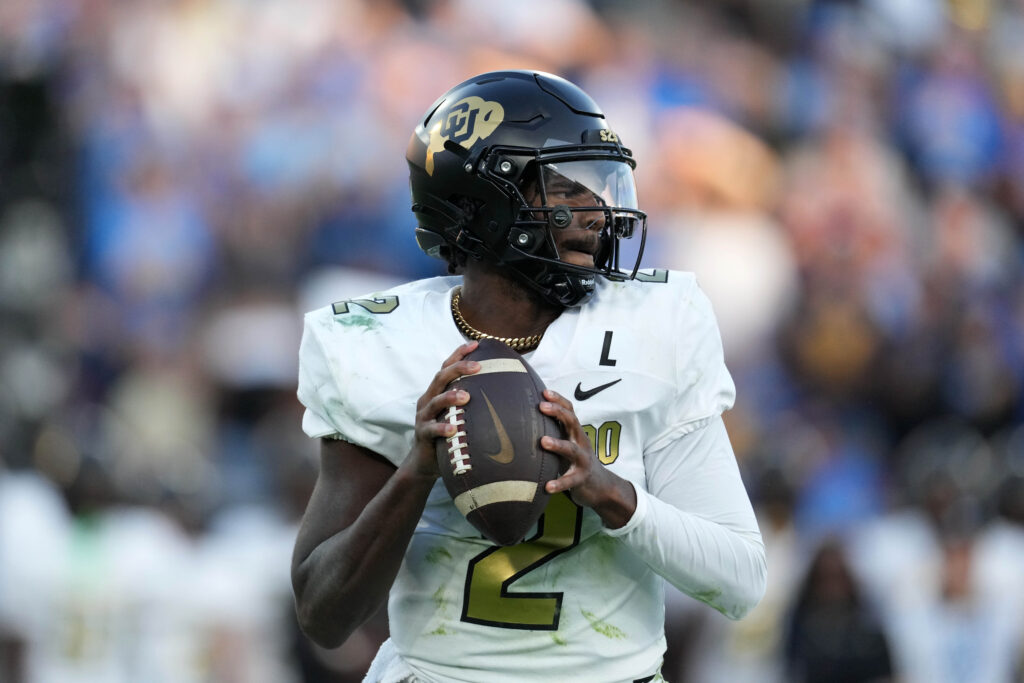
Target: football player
(518,181)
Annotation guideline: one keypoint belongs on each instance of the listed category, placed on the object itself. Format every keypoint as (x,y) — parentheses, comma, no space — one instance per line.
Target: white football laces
(457,446)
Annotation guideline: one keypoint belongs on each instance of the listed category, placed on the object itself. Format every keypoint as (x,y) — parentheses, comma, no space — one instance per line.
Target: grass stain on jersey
(366,322)
(440,599)
(608,548)
(559,640)
(603,627)
(708,597)
(441,631)
(437,555)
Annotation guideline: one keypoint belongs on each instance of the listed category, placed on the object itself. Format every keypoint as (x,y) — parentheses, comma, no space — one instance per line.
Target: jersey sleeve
(316,382)
(326,387)
(704,387)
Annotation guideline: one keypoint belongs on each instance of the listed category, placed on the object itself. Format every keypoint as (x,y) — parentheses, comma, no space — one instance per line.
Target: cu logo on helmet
(470,119)
(460,122)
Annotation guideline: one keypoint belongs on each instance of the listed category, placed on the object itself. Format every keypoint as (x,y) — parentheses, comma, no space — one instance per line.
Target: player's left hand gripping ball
(493,467)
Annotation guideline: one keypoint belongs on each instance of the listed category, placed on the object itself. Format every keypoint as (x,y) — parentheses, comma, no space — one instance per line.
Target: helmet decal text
(468,120)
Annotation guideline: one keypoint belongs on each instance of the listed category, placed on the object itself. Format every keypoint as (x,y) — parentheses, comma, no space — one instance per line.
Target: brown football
(494,468)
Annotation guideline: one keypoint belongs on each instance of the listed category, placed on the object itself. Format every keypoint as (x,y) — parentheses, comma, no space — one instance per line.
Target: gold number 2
(382,304)
(488,600)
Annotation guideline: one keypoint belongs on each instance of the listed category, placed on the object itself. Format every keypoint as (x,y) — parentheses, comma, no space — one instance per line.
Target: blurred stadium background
(181,179)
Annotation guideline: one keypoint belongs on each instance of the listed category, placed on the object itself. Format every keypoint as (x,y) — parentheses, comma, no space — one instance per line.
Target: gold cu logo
(470,119)
(506,453)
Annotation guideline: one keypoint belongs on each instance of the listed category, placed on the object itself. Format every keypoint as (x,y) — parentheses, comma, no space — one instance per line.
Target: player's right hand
(436,399)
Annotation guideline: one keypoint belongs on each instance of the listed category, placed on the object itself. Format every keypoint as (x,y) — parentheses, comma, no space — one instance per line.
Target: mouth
(582,241)
(579,248)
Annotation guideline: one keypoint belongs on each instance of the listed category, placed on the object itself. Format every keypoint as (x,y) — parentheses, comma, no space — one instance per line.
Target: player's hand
(436,399)
(588,482)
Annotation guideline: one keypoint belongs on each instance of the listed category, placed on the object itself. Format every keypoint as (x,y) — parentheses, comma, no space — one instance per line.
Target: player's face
(580,240)
(579,186)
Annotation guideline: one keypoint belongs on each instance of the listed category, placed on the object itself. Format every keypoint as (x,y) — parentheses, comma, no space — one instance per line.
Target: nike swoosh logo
(506,452)
(582,394)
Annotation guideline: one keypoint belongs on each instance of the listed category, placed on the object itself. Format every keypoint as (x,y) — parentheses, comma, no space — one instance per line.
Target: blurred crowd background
(181,179)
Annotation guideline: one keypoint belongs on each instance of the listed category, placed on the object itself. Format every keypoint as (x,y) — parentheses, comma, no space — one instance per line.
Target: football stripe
(491,365)
(495,492)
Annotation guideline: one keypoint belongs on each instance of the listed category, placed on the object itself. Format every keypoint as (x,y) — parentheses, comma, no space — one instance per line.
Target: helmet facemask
(590,196)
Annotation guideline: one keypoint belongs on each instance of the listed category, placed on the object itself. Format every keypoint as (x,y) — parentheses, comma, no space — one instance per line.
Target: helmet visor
(596,182)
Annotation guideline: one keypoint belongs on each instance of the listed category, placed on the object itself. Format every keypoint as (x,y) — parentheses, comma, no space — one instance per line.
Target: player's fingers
(570,451)
(572,478)
(433,429)
(555,397)
(442,402)
(455,366)
(563,412)
(461,352)
(436,406)
(432,407)
(446,376)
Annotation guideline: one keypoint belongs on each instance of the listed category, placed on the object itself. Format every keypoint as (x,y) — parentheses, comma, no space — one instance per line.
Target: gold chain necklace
(519,344)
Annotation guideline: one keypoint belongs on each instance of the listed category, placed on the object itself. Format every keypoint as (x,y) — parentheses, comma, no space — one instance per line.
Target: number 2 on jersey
(487,599)
(378,304)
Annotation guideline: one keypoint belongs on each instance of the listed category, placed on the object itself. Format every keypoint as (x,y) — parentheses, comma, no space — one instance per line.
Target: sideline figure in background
(519,183)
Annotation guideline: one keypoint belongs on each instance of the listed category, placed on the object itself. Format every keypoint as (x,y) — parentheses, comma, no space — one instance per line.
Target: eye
(569,191)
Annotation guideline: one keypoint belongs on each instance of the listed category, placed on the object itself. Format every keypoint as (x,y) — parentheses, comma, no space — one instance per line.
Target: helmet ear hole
(468,207)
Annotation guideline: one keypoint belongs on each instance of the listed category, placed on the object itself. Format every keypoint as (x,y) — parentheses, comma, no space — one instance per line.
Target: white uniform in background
(124,595)
(642,363)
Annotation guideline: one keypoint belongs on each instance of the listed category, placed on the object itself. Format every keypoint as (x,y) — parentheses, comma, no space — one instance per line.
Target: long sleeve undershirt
(695,526)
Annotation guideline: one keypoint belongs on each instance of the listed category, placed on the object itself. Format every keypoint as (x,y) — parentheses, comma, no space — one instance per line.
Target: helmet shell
(467,159)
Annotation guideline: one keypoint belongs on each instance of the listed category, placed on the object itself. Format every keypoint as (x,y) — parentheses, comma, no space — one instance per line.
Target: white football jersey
(642,364)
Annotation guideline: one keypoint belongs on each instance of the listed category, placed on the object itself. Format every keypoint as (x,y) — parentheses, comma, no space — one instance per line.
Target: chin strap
(561,289)
(573,290)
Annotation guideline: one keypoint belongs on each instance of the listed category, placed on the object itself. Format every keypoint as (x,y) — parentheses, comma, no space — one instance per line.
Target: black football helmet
(484,164)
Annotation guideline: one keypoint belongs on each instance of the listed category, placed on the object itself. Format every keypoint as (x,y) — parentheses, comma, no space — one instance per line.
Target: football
(493,467)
